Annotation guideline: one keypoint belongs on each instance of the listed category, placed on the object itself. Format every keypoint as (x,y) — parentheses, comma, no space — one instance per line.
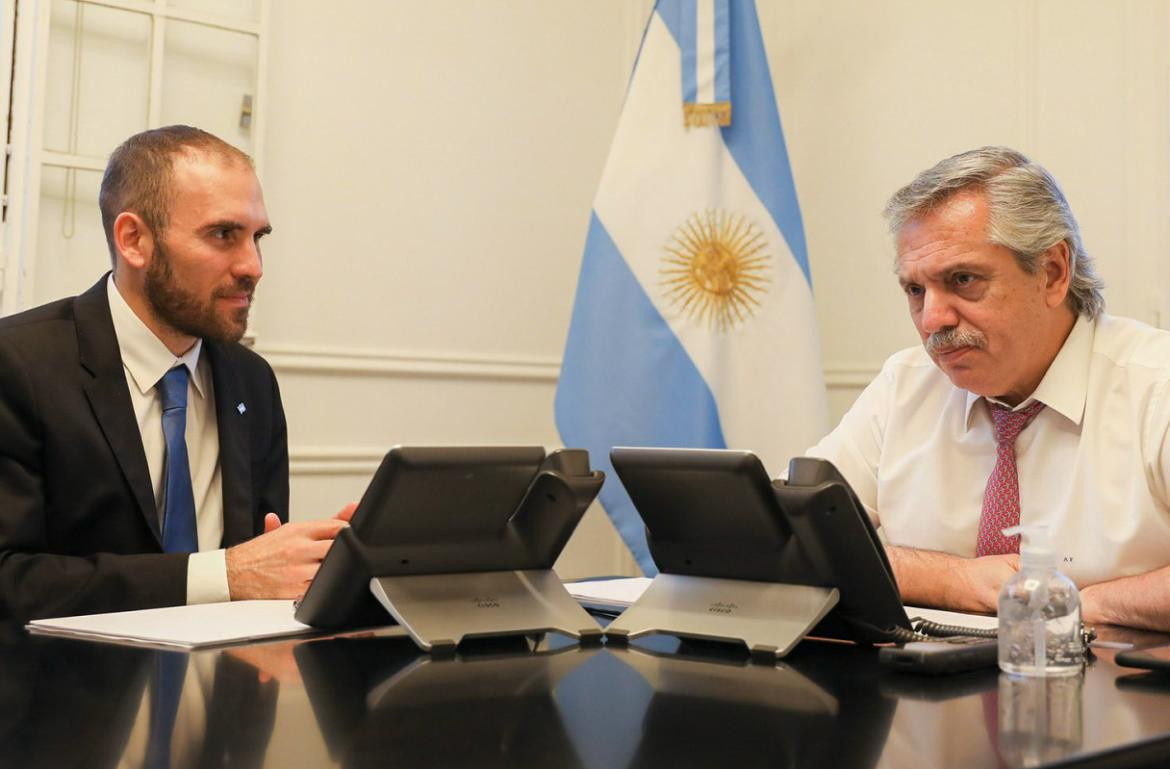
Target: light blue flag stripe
(688,39)
(647,392)
(755,137)
(723,54)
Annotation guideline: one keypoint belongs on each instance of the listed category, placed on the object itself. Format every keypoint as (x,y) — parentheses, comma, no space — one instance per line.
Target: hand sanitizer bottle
(1039,613)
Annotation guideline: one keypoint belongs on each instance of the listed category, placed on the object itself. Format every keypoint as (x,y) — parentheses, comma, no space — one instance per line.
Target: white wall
(430,167)
(429,170)
(871,93)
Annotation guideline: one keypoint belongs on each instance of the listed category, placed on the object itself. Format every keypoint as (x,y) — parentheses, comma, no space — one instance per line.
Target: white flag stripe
(658,174)
(705,52)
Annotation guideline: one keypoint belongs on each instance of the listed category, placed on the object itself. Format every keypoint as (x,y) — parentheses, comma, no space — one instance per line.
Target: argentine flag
(693,324)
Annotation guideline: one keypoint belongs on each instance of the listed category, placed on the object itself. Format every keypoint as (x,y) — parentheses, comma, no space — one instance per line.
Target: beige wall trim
(364,460)
(311,360)
(847,377)
(334,460)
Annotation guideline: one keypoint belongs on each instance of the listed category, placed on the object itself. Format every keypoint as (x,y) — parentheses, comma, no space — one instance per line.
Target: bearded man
(143,451)
(1025,403)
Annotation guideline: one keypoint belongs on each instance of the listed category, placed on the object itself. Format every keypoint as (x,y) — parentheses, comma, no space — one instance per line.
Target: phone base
(768,617)
(440,610)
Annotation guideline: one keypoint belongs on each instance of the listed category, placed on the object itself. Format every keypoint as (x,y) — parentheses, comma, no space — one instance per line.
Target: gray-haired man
(1025,402)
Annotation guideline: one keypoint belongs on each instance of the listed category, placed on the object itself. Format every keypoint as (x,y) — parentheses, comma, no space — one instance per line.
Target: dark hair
(138,174)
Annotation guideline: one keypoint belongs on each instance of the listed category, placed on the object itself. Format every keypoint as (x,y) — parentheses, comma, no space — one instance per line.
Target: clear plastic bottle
(1039,613)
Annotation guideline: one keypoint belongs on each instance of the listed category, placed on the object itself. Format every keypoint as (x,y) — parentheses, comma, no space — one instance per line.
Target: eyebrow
(229,224)
(959,265)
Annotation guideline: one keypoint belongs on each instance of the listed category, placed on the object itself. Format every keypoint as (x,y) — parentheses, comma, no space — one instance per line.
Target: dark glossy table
(366,701)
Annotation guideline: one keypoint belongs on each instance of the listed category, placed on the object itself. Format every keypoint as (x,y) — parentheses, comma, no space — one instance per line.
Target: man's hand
(979,581)
(927,578)
(281,562)
(944,581)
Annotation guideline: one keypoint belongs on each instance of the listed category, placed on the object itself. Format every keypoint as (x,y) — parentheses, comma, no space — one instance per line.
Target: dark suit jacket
(78,522)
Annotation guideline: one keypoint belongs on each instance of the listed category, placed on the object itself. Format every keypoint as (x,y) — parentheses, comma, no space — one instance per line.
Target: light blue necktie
(179,533)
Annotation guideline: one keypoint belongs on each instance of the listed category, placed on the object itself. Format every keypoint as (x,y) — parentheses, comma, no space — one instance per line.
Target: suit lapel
(105,386)
(234,435)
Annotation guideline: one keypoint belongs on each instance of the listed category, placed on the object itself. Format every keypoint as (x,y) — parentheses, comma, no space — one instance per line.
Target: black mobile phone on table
(1154,658)
(942,655)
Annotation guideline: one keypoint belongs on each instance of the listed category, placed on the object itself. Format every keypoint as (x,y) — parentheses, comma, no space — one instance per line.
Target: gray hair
(1028,213)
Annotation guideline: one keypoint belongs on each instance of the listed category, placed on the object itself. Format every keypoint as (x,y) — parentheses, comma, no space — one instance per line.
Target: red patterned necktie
(1001,498)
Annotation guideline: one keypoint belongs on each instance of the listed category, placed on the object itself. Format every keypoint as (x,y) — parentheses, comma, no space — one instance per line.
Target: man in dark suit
(101,508)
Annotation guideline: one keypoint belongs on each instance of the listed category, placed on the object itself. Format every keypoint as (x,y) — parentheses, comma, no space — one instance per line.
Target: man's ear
(1057,267)
(133,240)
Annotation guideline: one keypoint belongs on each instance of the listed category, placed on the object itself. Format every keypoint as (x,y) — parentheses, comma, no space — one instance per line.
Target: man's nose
(937,312)
(249,262)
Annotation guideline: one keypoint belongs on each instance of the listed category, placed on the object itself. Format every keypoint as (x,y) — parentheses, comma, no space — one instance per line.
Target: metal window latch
(246,111)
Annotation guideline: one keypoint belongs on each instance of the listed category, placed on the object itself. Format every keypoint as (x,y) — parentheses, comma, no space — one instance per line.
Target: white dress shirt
(1093,465)
(145,360)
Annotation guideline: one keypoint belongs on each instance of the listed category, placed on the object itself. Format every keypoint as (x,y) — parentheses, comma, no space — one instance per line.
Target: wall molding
(364,460)
(850,376)
(358,362)
(334,460)
(436,365)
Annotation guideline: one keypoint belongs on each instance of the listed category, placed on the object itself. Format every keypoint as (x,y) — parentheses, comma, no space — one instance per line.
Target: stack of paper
(185,627)
(618,593)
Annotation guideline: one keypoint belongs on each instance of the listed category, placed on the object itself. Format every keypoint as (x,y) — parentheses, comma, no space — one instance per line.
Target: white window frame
(27,155)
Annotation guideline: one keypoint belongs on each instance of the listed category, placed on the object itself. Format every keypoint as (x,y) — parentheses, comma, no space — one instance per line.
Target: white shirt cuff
(207,580)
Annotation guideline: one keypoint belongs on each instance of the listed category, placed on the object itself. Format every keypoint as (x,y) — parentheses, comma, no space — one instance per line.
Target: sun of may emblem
(715,269)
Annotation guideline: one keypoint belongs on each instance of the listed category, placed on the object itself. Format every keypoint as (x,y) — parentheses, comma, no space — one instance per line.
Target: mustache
(238,286)
(951,338)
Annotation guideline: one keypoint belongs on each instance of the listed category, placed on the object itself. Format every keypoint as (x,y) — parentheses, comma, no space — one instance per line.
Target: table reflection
(70,703)
(1040,718)
(710,712)
(67,704)
(379,702)
(988,719)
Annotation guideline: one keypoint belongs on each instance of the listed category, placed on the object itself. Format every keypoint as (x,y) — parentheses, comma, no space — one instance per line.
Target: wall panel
(431,165)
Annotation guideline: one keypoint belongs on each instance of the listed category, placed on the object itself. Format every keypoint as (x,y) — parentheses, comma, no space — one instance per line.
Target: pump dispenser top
(1035,546)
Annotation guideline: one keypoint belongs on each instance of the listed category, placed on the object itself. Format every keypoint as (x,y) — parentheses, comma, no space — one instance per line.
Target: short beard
(953,338)
(187,313)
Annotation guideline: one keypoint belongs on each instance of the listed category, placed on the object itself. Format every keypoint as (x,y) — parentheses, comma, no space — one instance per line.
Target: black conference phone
(716,513)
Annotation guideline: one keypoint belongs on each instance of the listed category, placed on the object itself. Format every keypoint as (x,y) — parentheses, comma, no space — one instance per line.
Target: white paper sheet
(609,592)
(186,627)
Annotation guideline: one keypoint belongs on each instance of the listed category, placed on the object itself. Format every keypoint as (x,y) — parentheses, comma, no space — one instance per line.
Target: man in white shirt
(117,489)
(1026,403)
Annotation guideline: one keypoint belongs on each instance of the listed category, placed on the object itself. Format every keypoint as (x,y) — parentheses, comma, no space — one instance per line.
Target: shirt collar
(143,354)
(1065,385)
